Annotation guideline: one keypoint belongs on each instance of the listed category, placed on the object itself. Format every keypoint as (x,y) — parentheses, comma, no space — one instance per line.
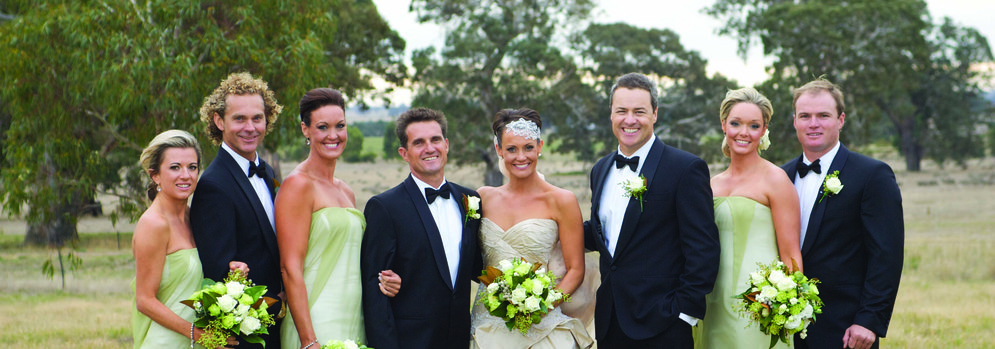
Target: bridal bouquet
(519,293)
(235,307)
(347,344)
(781,302)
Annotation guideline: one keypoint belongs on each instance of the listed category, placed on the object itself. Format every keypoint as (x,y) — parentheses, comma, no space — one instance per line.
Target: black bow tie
(622,161)
(431,194)
(803,168)
(258,171)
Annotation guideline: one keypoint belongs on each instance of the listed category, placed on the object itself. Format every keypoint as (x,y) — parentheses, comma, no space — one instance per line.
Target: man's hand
(858,337)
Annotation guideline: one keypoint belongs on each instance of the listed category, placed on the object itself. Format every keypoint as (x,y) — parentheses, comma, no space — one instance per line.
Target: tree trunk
(273,158)
(492,174)
(61,213)
(910,146)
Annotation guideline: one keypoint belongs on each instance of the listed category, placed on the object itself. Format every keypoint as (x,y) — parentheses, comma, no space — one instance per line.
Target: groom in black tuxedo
(422,231)
(659,250)
(853,237)
(232,209)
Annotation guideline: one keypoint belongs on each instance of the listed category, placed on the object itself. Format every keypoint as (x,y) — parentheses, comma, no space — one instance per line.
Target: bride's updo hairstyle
(522,120)
(151,158)
(748,95)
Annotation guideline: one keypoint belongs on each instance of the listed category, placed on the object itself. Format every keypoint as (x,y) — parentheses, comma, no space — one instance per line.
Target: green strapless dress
(332,278)
(746,236)
(181,277)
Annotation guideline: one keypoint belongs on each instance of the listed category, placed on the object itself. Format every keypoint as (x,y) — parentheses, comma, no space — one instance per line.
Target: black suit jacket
(855,246)
(229,223)
(667,255)
(401,235)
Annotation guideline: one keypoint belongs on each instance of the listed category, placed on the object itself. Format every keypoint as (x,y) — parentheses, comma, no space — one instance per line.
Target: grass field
(945,300)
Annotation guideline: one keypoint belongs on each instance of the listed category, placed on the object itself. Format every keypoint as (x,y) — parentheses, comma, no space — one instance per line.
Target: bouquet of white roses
(781,302)
(346,344)
(235,307)
(519,293)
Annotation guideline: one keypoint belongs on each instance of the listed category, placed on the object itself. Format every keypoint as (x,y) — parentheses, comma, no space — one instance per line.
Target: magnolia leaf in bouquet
(489,275)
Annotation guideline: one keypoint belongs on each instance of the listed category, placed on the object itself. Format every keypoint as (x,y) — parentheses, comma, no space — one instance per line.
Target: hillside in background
(357,114)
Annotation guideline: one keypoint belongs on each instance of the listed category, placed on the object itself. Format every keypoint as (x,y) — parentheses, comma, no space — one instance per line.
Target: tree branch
(6,17)
(113,130)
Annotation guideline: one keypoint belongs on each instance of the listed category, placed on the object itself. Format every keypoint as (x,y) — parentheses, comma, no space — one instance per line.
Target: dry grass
(945,300)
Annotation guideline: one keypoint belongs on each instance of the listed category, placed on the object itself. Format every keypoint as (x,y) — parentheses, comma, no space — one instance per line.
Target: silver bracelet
(310,344)
(191,335)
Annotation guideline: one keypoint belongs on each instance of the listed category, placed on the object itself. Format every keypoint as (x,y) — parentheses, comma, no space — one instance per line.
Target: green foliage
(354,147)
(894,65)
(89,83)
(390,141)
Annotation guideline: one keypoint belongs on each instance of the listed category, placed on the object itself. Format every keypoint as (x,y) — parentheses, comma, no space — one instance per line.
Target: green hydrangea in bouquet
(235,307)
(782,302)
(520,293)
(346,344)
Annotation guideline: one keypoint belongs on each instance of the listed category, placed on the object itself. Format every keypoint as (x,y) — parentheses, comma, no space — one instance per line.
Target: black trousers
(677,336)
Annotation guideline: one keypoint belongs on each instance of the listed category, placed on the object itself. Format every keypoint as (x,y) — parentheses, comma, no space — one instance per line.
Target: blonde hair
(152,155)
(748,95)
(821,84)
(238,84)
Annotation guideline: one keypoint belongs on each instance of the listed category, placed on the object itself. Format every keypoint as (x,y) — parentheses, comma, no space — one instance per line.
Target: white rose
(553,296)
(537,288)
(504,265)
(519,295)
(493,288)
(249,325)
(532,304)
(782,309)
(834,185)
(793,322)
(785,284)
(227,303)
(767,294)
(473,202)
(756,278)
(350,344)
(241,310)
(776,276)
(235,289)
(807,312)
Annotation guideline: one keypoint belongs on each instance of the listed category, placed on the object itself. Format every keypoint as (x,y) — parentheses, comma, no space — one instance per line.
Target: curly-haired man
(232,210)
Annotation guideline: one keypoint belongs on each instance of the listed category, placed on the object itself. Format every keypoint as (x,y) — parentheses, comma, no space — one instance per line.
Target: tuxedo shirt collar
(643,152)
(826,158)
(421,185)
(242,162)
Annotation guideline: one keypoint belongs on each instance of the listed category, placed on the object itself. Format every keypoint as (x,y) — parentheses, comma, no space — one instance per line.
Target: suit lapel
(465,261)
(633,211)
(819,210)
(599,174)
(238,175)
(431,230)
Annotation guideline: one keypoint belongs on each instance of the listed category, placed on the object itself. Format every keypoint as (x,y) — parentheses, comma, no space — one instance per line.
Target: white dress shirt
(613,199)
(447,218)
(808,188)
(258,184)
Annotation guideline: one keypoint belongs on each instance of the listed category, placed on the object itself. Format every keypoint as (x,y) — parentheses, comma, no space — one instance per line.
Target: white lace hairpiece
(523,128)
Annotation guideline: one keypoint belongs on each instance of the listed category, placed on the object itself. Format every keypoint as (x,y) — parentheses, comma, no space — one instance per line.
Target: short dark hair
(503,117)
(417,115)
(317,98)
(634,81)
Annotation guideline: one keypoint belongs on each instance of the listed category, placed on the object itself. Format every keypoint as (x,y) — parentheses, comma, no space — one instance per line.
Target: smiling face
(177,175)
(328,132)
(743,128)
(244,124)
(520,154)
(817,123)
(633,117)
(426,151)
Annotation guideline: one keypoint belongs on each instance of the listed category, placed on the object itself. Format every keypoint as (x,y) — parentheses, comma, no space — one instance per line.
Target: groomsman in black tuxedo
(660,249)
(852,231)
(232,209)
(420,229)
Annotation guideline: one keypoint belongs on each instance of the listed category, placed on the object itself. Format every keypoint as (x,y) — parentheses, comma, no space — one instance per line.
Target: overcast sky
(696,30)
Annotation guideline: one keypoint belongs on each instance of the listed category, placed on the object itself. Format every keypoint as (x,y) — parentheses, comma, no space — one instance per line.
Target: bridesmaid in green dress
(167,267)
(756,211)
(320,233)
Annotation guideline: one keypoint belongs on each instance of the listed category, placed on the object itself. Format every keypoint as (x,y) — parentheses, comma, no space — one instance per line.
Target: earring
(157,187)
(307,141)
(540,155)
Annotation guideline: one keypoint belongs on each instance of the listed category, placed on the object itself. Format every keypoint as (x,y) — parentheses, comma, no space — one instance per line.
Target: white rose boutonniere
(832,185)
(634,187)
(472,204)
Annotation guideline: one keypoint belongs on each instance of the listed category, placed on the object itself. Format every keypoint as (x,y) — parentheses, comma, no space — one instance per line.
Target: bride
(530,218)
